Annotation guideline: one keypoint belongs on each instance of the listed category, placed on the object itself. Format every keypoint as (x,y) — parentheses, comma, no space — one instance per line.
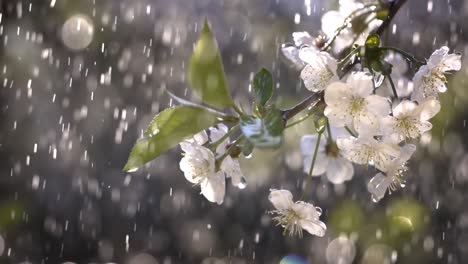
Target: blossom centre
(332,150)
(289,220)
(356,105)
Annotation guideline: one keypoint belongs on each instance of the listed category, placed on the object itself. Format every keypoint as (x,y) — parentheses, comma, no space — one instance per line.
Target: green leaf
(263,86)
(205,72)
(167,129)
(264,132)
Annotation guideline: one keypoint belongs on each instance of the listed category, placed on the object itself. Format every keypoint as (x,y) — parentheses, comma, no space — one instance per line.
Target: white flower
(320,68)
(332,20)
(392,178)
(294,217)
(352,103)
(230,166)
(366,150)
(329,160)
(198,165)
(291,52)
(410,120)
(430,79)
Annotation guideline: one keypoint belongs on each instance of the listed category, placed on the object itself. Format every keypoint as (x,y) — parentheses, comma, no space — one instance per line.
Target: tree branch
(310,100)
(394,7)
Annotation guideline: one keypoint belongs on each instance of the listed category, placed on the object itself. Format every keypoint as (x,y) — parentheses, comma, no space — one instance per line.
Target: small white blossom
(430,79)
(329,160)
(392,178)
(352,103)
(230,166)
(366,150)
(410,120)
(296,216)
(198,165)
(332,20)
(320,69)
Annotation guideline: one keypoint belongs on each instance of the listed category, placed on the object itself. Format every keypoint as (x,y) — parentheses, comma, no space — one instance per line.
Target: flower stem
(238,111)
(214,145)
(304,193)
(330,139)
(393,86)
(406,55)
(350,131)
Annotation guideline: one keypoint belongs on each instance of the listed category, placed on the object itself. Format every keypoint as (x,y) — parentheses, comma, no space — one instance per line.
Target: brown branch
(309,101)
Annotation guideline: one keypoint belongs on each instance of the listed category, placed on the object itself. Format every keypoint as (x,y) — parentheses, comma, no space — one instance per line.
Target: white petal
(378,105)
(378,185)
(429,108)
(316,228)
(339,170)
(308,144)
(309,55)
(331,21)
(313,77)
(361,83)
(337,93)
(320,166)
(216,133)
(214,187)
(302,38)
(366,123)
(406,152)
(337,116)
(186,165)
(281,199)
(201,137)
(404,108)
(306,211)
(452,62)
(387,125)
(292,54)
(437,56)
(232,169)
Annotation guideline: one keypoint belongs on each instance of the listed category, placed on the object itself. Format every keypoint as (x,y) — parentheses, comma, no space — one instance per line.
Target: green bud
(321,124)
(373,41)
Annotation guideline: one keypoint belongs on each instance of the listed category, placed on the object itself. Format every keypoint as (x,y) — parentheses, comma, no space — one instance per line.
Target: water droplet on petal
(319,210)
(243,183)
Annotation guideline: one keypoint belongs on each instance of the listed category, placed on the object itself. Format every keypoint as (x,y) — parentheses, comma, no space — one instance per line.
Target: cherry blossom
(296,216)
(410,120)
(320,68)
(430,79)
(352,103)
(392,177)
(198,165)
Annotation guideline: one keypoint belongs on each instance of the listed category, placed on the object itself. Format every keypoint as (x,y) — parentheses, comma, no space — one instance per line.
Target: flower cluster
(379,117)
(362,115)
(379,129)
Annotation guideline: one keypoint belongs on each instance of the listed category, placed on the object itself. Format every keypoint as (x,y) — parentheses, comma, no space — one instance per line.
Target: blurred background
(79,80)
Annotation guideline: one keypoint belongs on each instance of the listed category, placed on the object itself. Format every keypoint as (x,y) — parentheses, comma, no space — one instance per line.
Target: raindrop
(77,32)
(341,250)
(243,183)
